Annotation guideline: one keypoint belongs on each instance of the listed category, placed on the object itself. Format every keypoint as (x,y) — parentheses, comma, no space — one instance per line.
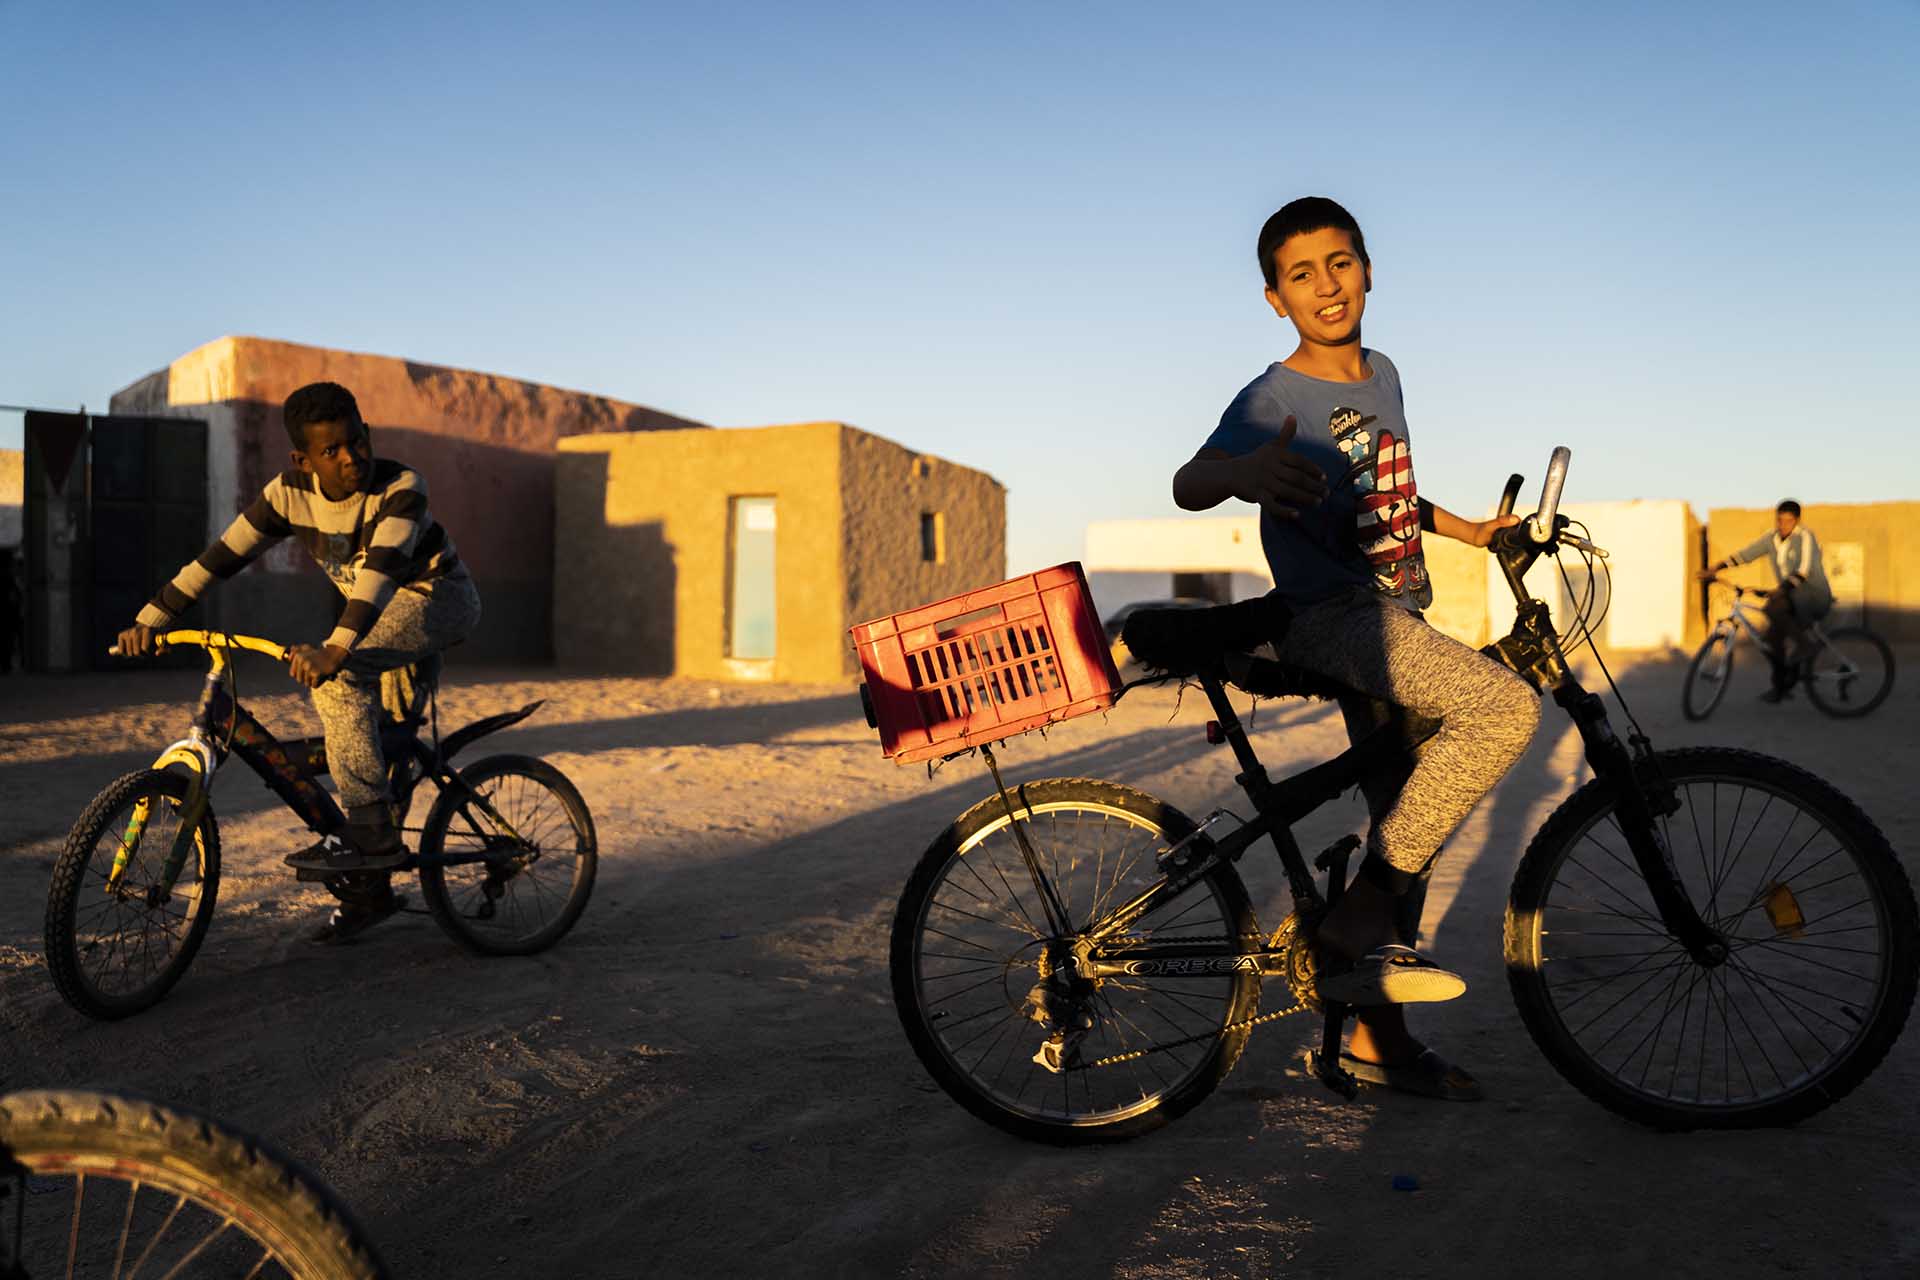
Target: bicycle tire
(1733,790)
(932,1021)
(1844,707)
(222,1177)
(459,895)
(1711,672)
(68,952)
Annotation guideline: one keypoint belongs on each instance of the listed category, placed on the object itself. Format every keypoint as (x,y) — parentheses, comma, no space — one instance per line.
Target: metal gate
(114,506)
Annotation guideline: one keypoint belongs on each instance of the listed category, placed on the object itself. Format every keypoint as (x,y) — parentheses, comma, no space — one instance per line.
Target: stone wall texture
(485,444)
(1884,533)
(886,491)
(641,544)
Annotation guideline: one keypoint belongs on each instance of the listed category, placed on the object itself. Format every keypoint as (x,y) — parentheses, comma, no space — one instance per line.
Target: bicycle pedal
(1341,849)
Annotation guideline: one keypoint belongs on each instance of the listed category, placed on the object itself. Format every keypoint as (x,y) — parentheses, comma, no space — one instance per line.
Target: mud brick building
(748,552)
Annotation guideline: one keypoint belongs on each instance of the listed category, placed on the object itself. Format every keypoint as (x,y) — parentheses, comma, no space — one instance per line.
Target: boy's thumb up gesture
(1278,479)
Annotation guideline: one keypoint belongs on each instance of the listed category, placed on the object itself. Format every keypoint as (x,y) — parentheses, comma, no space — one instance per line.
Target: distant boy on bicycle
(1319,442)
(1801,596)
(366,523)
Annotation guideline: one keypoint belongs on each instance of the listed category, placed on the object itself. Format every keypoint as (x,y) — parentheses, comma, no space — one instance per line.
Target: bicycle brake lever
(1583,545)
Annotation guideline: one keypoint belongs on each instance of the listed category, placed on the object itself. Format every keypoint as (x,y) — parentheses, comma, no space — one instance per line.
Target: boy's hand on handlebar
(314,665)
(1480,532)
(1278,480)
(138,642)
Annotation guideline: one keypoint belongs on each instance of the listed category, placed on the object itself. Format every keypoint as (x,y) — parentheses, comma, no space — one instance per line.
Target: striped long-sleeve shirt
(370,544)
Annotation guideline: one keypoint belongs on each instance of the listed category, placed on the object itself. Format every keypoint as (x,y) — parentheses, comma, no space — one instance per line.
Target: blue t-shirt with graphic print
(1367,531)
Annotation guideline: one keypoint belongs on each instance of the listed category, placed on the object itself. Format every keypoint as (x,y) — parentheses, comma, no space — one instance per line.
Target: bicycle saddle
(1220,641)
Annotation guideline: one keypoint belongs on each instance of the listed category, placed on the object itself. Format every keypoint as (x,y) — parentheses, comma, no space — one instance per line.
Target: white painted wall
(1207,544)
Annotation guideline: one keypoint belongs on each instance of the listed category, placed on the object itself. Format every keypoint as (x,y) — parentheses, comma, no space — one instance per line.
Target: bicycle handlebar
(214,640)
(1542,527)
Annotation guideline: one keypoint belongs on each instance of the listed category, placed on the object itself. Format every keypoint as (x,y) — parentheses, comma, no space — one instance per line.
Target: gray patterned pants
(1487,715)
(408,629)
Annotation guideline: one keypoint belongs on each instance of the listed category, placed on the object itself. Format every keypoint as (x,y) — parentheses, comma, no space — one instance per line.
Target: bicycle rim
(120,1187)
(1850,674)
(980,950)
(1708,677)
(126,945)
(1814,908)
(539,859)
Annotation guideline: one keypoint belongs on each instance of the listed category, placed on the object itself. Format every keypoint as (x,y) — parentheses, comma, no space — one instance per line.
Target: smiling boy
(1320,443)
(365,522)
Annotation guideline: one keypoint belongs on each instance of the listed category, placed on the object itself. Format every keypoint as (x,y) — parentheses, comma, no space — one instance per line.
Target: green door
(750,604)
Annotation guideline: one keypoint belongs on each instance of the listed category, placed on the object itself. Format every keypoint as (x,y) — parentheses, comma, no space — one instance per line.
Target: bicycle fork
(1632,775)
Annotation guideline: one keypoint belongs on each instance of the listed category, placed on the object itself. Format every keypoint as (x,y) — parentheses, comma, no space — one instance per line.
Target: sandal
(1392,974)
(1428,1074)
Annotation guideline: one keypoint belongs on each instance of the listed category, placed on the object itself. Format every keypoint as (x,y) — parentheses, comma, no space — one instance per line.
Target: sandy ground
(707,1076)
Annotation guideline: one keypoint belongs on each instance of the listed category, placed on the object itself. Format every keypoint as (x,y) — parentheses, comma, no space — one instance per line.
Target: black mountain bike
(1703,937)
(101,1185)
(506,855)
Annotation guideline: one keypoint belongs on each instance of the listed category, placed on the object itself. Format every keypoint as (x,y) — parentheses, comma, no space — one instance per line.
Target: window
(933,537)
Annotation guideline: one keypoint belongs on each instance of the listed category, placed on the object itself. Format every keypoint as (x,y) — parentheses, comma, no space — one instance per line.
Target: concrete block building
(748,552)
(484,442)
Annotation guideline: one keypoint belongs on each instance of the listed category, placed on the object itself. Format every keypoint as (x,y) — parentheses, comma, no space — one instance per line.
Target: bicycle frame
(222,727)
(1531,650)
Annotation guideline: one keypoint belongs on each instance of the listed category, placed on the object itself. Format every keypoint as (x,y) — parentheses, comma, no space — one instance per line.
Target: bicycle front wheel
(1819,921)
(1851,674)
(524,856)
(981,990)
(123,1187)
(117,940)
(1708,677)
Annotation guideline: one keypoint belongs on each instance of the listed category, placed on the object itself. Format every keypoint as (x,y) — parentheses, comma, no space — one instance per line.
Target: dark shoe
(345,851)
(1776,695)
(350,919)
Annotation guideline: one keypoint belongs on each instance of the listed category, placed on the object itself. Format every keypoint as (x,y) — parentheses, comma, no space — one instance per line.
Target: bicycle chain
(1301,1004)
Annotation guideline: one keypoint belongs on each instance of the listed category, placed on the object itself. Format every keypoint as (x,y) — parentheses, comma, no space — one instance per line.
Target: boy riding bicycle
(1319,442)
(1801,596)
(366,523)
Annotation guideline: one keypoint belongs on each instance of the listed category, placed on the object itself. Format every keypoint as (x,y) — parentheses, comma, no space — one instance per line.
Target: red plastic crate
(986,665)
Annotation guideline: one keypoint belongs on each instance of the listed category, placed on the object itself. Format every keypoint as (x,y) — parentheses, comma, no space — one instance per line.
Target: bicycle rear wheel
(116,951)
(980,989)
(1708,677)
(1815,908)
(121,1186)
(533,851)
(1851,674)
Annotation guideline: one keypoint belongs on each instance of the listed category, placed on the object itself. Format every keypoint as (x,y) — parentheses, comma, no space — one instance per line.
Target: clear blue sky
(1680,238)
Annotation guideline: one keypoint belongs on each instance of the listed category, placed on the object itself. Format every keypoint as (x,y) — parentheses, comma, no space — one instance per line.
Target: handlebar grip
(1511,492)
(1542,526)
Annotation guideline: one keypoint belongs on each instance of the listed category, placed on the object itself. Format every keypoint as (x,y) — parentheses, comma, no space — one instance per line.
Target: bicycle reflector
(1784,910)
(1215,734)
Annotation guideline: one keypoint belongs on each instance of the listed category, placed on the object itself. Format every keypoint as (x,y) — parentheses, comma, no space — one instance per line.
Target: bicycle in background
(1846,671)
(506,856)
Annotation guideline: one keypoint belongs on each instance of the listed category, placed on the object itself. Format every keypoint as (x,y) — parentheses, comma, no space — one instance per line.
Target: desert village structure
(617,537)
(674,548)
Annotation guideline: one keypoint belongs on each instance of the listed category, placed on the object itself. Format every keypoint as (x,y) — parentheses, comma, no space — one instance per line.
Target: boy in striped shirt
(366,523)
